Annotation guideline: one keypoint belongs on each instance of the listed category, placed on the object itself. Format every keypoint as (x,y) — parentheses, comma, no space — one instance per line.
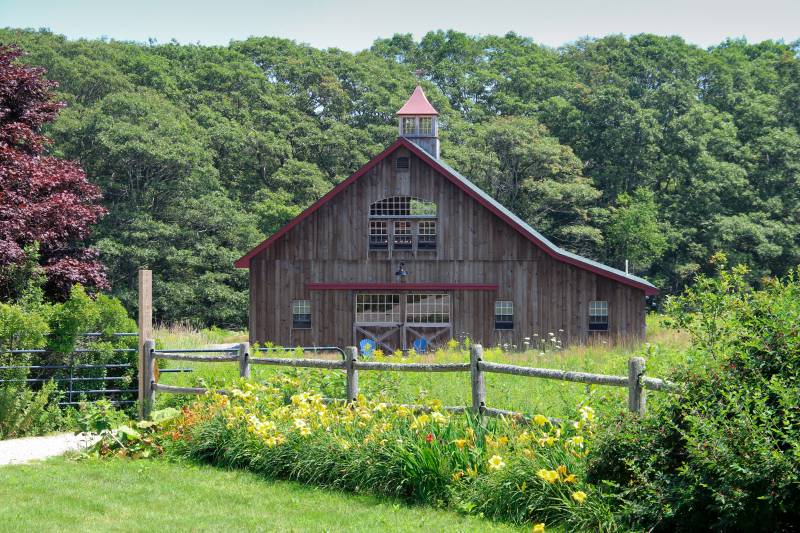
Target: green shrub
(724,452)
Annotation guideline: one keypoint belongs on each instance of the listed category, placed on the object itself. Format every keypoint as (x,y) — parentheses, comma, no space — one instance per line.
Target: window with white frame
(409,126)
(403,238)
(428,308)
(598,316)
(403,223)
(377,308)
(426,126)
(378,235)
(503,314)
(301,314)
(426,235)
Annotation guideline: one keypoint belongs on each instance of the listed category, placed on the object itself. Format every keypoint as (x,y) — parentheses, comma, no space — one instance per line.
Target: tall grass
(663,348)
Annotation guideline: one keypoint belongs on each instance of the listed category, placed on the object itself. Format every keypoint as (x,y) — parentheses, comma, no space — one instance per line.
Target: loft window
(377,308)
(409,126)
(598,316)
(403,223)
(426,126)
(378,235)
(402,163)
(428,308)
(503,314)
(426,235)
(403,240)
(301,314)
(402,207)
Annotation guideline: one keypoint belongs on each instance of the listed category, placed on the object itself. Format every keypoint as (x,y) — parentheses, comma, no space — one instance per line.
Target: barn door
(402,322)
(427,321)
(378,317)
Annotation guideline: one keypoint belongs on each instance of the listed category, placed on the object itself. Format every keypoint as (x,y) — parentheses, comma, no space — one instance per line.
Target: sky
(354,24)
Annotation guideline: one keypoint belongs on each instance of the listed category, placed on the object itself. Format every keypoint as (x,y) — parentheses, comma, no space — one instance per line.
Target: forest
(644,148)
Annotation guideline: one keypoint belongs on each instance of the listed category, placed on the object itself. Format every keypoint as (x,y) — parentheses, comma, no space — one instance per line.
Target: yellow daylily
(496,462)
(579,496)
(538,528)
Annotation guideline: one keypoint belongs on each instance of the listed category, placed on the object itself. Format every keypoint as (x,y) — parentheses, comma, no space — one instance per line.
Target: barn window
(409,126)
(411,224)
(426,126)
(428,308)
(426,235)
(402,163)
(402,207)
(598,316)
(377,308)
(403,240)
(378,235)
(503,314)
(301,314)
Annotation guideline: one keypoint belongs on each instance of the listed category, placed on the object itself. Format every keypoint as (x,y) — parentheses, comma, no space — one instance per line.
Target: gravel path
(18,451)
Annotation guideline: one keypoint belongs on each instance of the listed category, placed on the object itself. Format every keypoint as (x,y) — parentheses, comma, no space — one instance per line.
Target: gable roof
(417,104)
(481,197)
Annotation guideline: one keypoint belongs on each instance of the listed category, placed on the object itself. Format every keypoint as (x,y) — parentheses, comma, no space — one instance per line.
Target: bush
(722,453)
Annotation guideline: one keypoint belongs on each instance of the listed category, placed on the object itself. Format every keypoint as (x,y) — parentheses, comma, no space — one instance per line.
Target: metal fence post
(351,356)
(478,383)
(637,395)
(149,379)
(244,360)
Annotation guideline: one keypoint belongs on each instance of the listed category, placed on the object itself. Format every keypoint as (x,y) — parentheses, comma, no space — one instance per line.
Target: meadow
(663,349)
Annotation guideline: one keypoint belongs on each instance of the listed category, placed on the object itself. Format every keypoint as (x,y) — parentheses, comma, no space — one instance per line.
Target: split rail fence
(636,382)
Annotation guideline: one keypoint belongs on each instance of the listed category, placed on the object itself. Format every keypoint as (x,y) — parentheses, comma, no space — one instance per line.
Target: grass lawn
(123,495)
(529,395)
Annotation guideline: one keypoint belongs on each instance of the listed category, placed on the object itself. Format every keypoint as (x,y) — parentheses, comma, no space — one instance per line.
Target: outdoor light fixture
(401,272)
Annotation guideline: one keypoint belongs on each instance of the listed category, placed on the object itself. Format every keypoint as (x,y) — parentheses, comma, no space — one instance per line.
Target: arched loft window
(402,207)
(403,223)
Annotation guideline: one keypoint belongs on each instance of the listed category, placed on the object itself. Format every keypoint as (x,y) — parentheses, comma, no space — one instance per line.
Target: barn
(409,253)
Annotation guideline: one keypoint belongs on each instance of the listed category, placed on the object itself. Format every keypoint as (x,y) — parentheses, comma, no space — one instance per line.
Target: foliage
(46,201)
(202,151)
(428,456)
(24,412)
(722,453)
(135,440)
(56,327)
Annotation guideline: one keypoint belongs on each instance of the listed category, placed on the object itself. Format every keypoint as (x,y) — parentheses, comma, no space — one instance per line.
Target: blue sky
(354,24)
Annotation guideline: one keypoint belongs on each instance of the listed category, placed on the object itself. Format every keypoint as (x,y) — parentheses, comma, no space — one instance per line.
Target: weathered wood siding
(474,246)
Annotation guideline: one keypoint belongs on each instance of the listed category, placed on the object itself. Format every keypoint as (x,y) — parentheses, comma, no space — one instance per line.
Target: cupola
(418,122)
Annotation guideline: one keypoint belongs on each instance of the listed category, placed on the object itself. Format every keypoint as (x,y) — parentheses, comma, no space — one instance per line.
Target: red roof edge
(244,261)
(417,104)
(344,286)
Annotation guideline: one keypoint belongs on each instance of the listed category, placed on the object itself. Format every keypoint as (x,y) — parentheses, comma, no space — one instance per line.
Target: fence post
(147,373)
(244,360)
(145,324)
(351,355)
(637,395)
(478,384)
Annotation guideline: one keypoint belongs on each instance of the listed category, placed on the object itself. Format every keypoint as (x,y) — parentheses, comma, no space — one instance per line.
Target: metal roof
(417,104)
(535,234)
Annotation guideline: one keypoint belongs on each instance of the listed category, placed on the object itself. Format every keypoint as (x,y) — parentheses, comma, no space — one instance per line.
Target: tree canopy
(644,148)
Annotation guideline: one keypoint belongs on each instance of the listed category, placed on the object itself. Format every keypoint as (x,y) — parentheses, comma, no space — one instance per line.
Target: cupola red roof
(417,104)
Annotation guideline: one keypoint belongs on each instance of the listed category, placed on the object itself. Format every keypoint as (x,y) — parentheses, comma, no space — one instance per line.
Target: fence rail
(636,382)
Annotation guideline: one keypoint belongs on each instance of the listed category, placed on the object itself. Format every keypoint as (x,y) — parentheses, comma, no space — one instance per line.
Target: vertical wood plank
(145,323)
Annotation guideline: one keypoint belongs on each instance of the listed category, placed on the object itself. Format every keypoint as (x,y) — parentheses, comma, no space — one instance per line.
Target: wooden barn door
(397,321)
(379,317)
(427,320)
